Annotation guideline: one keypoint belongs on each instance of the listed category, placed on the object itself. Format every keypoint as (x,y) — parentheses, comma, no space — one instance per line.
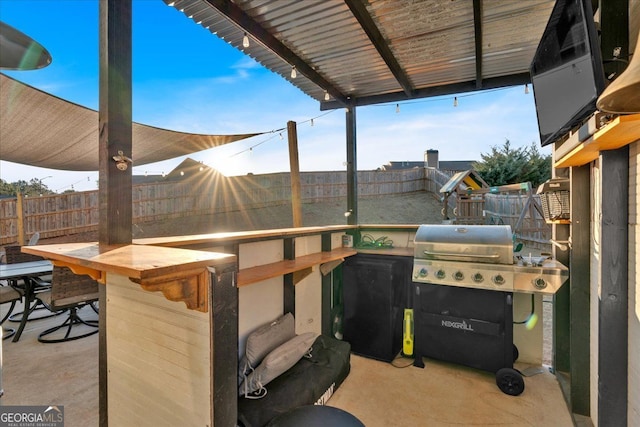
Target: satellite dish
(19,51)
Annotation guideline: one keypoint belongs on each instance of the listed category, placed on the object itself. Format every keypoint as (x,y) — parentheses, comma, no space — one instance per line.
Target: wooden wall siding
(633,417)
(159,351)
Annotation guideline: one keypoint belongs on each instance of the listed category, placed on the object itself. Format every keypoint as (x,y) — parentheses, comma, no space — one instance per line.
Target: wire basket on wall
(554,197)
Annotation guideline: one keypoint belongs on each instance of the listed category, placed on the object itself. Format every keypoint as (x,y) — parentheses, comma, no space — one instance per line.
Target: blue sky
(186,79)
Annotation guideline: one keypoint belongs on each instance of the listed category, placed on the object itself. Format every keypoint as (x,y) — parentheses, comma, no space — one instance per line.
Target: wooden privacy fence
(78,212)
(71,213)
(519,212)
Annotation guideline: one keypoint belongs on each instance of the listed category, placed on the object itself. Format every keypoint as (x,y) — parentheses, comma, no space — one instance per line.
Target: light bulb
(245,41)
(311,122)
(397,108)
(526,88)
(455,101)
(294,74)
(326,95)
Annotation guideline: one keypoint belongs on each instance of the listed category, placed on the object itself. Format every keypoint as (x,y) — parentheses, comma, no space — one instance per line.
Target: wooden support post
(115,135)
(224,318)
(326,320)
(115,193)
(613,337)
(352,167)
(580,289)
(296,192)
(20,215)
(289,294)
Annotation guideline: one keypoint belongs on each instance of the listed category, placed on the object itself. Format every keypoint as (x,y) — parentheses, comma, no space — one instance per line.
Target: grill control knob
(458,275)
(477,278)
(539,283)
(440,274)
(498,279)
(423,272)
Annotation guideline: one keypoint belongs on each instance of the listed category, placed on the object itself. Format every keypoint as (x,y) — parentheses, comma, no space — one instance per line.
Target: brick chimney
(431,158)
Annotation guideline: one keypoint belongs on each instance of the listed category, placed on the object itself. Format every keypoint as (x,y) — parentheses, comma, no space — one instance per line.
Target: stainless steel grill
(481,256)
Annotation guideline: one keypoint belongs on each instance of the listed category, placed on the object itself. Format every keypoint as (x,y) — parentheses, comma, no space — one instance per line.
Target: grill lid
(469,243)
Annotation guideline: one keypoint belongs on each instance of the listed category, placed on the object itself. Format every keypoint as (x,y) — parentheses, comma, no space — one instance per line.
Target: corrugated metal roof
(366,52)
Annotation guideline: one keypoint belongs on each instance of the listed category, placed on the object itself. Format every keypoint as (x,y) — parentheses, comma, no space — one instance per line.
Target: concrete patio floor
(378,393)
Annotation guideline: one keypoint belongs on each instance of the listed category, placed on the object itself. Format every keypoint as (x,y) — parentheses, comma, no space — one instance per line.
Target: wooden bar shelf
(248,276)
(621,131)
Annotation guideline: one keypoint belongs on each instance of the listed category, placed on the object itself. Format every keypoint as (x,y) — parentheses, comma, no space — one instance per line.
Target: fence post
(20,218)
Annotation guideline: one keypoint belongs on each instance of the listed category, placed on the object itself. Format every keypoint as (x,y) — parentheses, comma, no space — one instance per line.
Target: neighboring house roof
(183,172)
(456,165)
(403,165)
(188,169)
(449,165)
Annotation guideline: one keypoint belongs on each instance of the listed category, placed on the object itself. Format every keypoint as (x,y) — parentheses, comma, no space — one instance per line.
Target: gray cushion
(264,339)
(278,361)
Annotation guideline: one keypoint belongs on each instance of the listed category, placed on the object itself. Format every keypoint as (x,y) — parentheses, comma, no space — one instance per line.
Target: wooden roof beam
(477,27)
(360,12)
(451,89)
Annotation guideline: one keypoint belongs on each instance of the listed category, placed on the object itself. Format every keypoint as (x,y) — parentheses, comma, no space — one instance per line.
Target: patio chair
(34,239)
(8,295)
(14,255)
(69,292)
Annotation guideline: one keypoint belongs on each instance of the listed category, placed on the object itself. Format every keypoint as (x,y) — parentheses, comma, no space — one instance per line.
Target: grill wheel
(510,381)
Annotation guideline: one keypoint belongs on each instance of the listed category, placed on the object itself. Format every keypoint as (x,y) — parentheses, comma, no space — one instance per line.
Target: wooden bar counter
(161,331)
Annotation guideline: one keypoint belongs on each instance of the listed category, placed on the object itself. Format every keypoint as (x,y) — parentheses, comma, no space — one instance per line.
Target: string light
(326,95)
(294,74)
(397,108)
(311,122)
(526,89)
(245,41)
(278,132)
(455,101)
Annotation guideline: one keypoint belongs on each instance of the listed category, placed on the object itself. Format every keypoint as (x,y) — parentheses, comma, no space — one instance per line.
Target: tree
(507,165)
(33,188)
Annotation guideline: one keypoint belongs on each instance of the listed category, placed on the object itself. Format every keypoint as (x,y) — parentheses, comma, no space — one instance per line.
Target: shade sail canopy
(39,129)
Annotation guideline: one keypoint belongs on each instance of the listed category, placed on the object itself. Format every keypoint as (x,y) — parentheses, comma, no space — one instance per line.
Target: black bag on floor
(311,380)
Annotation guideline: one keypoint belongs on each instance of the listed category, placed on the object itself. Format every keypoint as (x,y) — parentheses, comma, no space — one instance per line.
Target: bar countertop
(240,236)
(135,261)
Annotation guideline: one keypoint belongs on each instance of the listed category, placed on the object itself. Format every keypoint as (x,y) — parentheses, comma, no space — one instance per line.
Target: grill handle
(457,256)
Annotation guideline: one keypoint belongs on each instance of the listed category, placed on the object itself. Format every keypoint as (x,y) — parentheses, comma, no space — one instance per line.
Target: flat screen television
(566,72)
